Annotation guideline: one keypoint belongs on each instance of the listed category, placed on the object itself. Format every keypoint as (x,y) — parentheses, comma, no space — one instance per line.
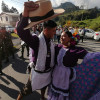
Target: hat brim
(57,13)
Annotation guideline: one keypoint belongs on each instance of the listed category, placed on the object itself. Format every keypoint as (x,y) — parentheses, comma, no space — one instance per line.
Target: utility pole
(83,5)
(88,4)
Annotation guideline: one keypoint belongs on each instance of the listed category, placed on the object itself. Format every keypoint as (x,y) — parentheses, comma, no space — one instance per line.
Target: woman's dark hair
(20,16)
(49,24)
(68,33)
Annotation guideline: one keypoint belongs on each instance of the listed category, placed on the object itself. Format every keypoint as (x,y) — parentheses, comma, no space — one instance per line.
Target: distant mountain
(79,17)
(68,6)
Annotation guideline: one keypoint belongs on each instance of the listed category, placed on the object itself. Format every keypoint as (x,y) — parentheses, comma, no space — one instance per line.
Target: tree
(13,10)
(4,7)
(62,21)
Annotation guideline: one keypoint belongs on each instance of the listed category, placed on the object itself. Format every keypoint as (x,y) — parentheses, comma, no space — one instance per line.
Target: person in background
(40,27)
(35,31)
(76,30)
(58,34)
(71,30)
(82,33)
(23,46)
(2,36)
(8,46)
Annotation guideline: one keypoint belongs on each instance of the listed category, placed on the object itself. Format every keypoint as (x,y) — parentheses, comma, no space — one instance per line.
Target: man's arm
(25,35)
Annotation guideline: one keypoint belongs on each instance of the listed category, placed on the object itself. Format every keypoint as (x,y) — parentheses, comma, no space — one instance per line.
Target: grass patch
(90,23)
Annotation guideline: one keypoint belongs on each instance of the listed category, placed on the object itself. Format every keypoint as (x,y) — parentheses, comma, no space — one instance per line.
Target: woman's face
(64,39)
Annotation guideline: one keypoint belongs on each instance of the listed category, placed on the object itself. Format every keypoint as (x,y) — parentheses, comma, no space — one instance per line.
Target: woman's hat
(43,13)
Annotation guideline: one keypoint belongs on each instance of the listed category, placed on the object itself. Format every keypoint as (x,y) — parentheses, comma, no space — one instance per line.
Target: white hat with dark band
(43,13)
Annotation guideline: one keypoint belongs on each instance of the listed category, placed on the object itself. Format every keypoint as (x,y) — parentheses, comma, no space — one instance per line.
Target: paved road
(15,73)
(90,45)
(15,77)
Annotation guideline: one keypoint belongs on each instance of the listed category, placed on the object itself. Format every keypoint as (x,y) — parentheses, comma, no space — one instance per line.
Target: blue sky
(19,3)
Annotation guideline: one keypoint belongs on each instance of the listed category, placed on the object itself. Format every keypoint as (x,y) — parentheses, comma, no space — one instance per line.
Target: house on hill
(8,19)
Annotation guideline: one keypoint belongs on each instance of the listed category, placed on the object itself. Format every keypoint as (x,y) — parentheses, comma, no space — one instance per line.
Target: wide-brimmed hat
(43,13)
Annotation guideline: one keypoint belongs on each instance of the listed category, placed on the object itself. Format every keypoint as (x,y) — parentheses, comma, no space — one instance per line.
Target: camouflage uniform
(1,51)
(8,46)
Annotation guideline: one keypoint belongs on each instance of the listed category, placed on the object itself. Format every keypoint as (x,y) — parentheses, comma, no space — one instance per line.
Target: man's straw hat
(43,13)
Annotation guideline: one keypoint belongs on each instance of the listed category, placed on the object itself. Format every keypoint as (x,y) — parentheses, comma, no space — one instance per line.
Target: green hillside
(78,17)
(90,23)
(68,6)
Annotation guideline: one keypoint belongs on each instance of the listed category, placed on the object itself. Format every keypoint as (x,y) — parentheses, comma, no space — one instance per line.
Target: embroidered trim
(57,90)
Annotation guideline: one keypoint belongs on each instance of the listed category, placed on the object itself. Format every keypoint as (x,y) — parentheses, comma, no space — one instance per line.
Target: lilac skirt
(59,88)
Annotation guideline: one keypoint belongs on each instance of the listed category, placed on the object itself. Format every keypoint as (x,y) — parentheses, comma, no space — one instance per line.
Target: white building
(8,19)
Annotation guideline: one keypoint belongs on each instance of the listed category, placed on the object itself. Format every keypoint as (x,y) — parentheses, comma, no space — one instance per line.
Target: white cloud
(0,5)
(13,3)
(19,3)
(86,3)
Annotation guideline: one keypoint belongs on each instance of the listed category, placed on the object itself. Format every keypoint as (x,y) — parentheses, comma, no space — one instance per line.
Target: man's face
(34,28)
(2,30)
(49,32)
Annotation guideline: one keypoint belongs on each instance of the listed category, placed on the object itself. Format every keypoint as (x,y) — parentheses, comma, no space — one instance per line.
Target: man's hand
(29,6)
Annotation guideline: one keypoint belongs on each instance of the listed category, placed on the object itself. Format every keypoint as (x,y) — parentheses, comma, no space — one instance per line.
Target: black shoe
(19,97)
(1,73)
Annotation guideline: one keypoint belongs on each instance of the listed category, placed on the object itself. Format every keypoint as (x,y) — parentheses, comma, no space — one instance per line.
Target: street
(90,45)
(15,75)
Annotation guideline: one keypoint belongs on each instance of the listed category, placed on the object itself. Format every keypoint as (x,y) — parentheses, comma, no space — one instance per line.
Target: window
(15,18)
(6,18)
(87,30)
(1,18)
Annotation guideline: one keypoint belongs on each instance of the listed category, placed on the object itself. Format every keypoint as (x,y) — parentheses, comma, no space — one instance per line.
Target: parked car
(89,33)
(9,29)
(97,36)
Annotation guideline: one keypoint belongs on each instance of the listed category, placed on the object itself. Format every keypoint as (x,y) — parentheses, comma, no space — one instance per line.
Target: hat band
(38,18)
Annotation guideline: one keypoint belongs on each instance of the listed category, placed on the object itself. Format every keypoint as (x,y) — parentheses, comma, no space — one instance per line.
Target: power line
(17,1)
